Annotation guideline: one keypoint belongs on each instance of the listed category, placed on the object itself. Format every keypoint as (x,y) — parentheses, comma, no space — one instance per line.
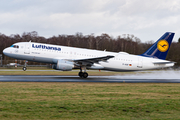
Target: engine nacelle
(63,65)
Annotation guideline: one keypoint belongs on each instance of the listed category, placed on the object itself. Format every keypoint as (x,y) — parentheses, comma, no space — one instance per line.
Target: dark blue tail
(160,48)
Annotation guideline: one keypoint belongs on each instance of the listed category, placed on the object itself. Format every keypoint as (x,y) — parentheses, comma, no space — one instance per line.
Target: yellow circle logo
(163,45)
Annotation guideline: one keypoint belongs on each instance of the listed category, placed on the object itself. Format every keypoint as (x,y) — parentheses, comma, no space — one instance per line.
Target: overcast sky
(145,19)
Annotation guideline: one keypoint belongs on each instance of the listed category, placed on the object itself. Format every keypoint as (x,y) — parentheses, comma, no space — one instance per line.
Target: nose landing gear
(24,68)
(25,64)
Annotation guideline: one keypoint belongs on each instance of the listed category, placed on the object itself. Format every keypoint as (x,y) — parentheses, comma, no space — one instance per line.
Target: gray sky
(145,19)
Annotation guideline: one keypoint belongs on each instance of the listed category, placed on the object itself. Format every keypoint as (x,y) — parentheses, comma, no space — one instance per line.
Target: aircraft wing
(91,61)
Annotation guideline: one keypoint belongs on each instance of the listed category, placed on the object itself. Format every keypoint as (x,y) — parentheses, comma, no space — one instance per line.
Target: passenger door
(140,62)
(27,48)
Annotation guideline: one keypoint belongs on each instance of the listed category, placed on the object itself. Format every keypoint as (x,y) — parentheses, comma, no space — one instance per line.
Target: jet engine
(63,65)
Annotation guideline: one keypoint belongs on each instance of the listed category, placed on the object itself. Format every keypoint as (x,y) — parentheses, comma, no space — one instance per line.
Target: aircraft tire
(85,75)
(80,74)
(24,68)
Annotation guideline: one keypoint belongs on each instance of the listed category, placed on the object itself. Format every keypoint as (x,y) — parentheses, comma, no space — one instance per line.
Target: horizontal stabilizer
(163,62)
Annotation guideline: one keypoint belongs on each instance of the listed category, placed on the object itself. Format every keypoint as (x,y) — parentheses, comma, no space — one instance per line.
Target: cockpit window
(15,46)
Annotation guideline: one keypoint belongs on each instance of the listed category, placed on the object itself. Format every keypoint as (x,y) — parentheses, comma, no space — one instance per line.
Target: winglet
(161,47)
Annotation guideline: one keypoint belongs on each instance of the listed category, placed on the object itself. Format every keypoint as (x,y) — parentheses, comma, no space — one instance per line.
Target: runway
(95,79)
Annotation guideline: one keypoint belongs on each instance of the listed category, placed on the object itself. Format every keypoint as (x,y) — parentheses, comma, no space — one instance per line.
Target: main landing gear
(83,74)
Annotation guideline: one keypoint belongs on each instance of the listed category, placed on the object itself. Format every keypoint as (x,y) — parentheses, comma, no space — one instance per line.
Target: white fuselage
(51,53)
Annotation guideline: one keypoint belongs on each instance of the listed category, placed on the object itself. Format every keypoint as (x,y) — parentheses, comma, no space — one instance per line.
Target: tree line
(126,43)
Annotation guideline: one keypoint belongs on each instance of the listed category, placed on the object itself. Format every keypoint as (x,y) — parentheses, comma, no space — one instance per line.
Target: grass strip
(89,101)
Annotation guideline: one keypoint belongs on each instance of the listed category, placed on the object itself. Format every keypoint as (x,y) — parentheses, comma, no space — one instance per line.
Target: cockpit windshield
(15,46)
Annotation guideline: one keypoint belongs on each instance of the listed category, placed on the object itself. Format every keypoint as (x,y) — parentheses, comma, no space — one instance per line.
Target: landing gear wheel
(80,74)
(24,68)
(85,75)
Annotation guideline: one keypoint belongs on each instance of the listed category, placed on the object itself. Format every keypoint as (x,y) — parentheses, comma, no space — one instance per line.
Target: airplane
(67,58)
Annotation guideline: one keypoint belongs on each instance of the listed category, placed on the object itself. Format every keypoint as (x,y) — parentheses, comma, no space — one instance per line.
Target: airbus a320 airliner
(67,58)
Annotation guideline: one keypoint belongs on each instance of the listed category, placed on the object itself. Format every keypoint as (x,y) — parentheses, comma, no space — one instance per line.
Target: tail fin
(160,48)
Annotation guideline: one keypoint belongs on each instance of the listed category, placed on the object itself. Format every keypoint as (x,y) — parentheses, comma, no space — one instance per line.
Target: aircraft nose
(5,51)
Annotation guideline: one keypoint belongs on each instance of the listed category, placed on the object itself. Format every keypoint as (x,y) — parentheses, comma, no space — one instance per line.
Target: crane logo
(163,45)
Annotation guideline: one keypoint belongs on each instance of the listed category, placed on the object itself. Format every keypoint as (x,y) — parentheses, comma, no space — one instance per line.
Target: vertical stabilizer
(160,48)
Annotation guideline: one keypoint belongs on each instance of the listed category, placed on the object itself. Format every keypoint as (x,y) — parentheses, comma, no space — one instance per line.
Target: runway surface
(105,79)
